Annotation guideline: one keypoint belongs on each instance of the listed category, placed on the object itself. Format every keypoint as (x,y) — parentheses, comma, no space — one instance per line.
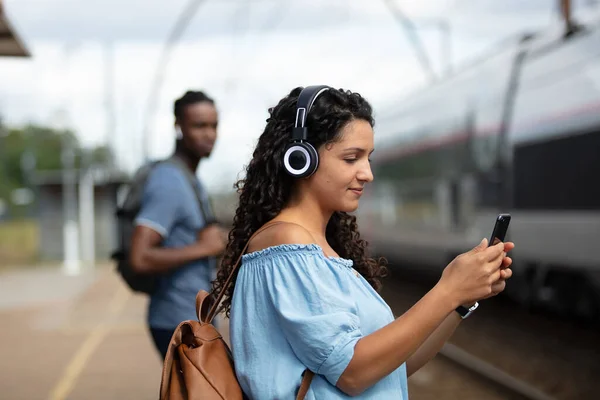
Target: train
(517,131)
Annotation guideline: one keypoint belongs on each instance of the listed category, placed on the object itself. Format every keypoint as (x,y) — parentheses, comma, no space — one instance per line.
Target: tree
(39,147)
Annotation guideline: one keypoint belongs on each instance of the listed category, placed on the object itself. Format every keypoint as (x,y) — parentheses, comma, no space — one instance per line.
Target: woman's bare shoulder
(281,233)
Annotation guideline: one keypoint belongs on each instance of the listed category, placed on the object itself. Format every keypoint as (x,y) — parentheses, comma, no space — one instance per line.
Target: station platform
(74,337)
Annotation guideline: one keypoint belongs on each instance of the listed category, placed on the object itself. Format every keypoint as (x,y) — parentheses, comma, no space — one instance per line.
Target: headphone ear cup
(300,159)
(314,159)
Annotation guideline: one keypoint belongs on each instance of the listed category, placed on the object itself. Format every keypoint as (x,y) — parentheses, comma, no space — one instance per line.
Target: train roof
(10,43)
(413,116)
(536,42)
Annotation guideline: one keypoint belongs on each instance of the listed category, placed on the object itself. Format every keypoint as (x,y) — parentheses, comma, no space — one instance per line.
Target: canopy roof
(10,43)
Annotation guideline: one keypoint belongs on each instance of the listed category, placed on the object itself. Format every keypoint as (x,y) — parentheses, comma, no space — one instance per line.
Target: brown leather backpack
(199,364)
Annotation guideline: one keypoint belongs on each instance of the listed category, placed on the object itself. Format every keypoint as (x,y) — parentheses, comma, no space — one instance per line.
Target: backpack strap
(306,380)
(214,308)
(193,181)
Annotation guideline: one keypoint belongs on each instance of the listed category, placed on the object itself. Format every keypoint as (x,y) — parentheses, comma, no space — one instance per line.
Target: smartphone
(500,229)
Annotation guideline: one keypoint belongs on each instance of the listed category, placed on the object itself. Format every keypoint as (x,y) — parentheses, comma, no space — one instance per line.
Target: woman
(305,294)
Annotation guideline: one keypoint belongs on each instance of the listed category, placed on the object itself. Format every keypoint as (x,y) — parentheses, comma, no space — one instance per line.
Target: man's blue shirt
(170,207)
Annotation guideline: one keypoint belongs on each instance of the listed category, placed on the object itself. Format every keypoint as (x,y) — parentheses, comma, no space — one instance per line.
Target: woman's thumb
(482,245)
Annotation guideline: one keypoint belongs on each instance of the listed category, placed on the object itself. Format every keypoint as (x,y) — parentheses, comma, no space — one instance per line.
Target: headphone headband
(306,98)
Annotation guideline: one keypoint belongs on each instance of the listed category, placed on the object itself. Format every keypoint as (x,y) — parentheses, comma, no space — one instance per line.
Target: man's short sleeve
(161,201)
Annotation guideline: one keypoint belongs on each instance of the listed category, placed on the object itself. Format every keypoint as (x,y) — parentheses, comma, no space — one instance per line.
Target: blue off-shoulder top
(295,308)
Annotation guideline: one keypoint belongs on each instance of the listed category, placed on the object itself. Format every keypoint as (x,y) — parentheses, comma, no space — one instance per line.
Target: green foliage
(34,147)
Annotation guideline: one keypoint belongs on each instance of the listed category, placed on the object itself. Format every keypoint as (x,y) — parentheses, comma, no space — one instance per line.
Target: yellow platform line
(69,378)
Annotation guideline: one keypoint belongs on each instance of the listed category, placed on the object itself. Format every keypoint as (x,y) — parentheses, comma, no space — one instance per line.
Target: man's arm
(161,205)
(148,257)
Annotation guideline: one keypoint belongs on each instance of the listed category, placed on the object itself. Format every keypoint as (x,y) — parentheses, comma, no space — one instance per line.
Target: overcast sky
(246,54)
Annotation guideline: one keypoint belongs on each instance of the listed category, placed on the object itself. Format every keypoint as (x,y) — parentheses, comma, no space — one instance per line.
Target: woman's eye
(350,160)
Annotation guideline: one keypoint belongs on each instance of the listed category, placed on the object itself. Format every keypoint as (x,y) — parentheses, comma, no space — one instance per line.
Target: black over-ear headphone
(300,158)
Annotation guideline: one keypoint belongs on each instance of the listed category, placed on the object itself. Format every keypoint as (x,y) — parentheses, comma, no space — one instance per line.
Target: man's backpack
(126,214)
(199,364)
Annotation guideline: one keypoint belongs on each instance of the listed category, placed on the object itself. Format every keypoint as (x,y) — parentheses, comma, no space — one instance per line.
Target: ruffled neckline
(311,248)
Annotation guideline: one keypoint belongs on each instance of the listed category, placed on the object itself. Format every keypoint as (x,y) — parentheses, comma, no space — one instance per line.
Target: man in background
(174,235)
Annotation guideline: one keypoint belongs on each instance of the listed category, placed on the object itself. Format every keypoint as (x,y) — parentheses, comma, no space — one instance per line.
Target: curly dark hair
(190,97)
(267,188)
